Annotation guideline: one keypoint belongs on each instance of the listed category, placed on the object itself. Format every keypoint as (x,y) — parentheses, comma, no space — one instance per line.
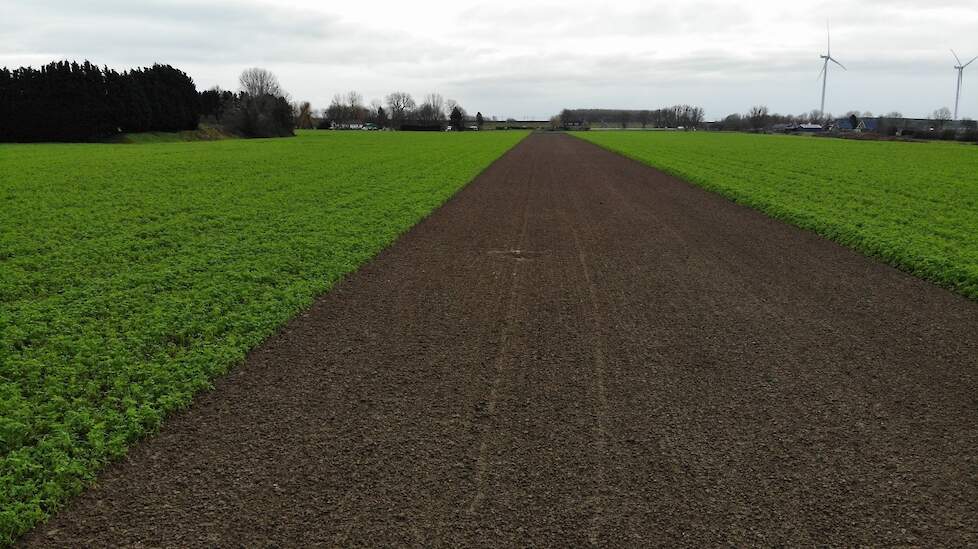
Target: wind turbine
(960,67)
(825,67)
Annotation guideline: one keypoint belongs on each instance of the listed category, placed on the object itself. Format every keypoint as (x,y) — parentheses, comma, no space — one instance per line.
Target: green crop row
(912,205)
(132,275)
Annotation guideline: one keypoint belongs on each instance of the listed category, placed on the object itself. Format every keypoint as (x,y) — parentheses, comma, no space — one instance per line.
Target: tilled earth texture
(577,350)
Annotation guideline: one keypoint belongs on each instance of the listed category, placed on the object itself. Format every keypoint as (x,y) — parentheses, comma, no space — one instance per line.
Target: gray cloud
(520,58)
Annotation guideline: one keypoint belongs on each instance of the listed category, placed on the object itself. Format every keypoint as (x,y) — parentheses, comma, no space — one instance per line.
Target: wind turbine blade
(956,58)
(820,73)
(970,62)
(828,37)
(832,59)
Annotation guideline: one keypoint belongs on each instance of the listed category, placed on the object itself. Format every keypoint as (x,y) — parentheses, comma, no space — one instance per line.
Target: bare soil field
(577,349)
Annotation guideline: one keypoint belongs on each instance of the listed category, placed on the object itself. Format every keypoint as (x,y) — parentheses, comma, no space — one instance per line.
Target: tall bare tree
(433,107)
(303,116)
(942,116)
(623,118)
(263,110)
(399,105)
(257,82)
(336,112)
(758,116)
(642,117)
(354,106)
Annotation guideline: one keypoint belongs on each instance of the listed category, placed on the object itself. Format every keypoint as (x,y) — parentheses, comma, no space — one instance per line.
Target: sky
(528,60)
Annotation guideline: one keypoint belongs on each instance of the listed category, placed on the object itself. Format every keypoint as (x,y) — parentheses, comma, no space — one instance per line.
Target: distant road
(578,349)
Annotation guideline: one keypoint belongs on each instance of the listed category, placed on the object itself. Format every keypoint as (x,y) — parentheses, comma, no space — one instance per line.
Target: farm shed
(843,125)
(868,125)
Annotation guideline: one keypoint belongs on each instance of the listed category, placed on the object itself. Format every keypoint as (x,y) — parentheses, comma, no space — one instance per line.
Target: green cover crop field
(132,275)
(913,205)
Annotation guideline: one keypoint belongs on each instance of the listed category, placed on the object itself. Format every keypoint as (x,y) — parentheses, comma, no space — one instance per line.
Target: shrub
(261,116)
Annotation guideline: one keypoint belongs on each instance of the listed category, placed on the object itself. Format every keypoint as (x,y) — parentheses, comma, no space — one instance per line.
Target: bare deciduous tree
(433,108)
(758,116)
(354,106)
(942,116)
(624,117)
(336,112)
(303,116)
(257,82)
(643,117)
(399,105)
(263,110)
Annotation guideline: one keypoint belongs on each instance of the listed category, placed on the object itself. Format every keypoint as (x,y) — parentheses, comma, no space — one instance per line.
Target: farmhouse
(575,125)
(517,124)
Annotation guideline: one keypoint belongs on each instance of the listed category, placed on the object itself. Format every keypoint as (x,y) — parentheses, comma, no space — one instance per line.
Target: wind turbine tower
(825,67)
(960,68)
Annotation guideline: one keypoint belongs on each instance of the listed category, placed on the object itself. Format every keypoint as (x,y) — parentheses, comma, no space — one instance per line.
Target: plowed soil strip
(578,349)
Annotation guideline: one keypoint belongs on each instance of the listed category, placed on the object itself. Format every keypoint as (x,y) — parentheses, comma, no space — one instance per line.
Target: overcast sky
(528,59)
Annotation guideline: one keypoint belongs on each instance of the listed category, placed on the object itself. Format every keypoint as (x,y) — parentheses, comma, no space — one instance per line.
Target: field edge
(40,516)
(917,267)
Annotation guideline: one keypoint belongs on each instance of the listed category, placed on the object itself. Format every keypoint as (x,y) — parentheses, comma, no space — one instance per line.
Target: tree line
(71,101)
(687,116)
(759,117)
(398,111)
(937,126)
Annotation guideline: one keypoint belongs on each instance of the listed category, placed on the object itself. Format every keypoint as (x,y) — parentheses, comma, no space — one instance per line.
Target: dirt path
(578,350)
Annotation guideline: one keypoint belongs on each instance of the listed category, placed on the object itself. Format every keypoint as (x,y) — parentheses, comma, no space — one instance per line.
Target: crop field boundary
(961,278)
(71,311)
(576,350)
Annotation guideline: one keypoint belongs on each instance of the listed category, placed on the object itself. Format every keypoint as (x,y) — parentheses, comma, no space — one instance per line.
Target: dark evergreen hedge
(65,101)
